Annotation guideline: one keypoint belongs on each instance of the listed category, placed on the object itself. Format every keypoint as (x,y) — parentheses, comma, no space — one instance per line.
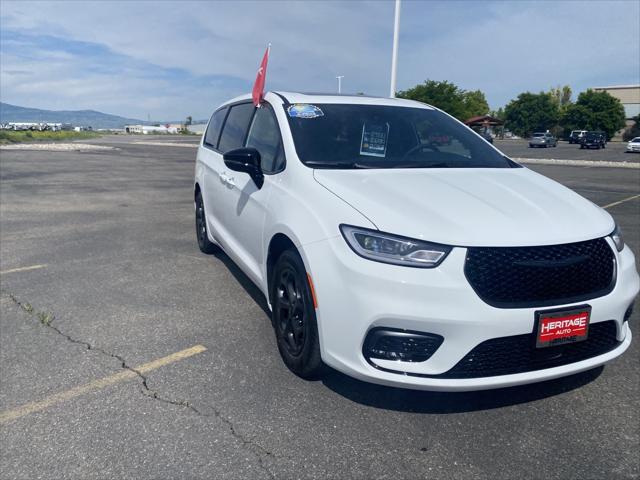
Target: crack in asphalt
(47,318)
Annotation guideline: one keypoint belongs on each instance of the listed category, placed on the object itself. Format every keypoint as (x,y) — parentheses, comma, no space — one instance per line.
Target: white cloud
(502,48)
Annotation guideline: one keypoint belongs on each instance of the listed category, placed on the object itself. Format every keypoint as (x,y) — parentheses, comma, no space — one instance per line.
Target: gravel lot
(101,272)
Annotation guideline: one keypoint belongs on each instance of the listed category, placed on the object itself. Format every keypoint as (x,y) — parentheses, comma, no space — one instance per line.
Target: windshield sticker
(374,139)
(304,110)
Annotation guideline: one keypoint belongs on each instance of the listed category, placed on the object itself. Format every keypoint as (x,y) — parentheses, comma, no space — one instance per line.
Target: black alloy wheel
(205,245)
(294,318)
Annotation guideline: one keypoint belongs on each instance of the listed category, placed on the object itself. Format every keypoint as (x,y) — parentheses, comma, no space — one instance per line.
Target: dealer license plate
(557,327)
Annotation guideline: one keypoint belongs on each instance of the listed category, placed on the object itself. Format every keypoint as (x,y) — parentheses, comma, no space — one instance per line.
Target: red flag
(258,87)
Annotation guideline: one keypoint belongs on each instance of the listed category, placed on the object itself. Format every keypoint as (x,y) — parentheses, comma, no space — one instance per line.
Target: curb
(577,163)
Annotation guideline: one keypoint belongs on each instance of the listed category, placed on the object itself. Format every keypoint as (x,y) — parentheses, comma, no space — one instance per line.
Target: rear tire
(294,317)
(205,245)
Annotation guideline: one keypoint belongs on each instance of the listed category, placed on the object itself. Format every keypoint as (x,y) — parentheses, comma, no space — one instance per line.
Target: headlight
(387,248)
(616,236)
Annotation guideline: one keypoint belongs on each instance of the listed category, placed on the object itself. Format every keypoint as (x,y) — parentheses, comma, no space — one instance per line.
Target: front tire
(294,317)
(205,245)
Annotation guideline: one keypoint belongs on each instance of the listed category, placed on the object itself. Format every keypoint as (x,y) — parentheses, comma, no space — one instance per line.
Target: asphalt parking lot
(127,353)
(614,151)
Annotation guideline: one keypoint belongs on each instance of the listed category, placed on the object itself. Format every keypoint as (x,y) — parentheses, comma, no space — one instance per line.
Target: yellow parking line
(23,269)
(633,197)
(97,384)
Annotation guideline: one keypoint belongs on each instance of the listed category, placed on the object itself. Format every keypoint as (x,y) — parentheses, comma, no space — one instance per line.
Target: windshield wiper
(419,165)
(338,165)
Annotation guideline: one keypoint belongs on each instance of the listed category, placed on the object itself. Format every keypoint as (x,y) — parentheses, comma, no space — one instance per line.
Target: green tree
(595,111)
(531,112)
(575,117)
(443,95)
(499,113)
(475,103)
(561,95)
(189,120)
(448,97)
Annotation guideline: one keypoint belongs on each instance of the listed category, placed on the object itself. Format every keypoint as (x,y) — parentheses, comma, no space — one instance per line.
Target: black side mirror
(245,160)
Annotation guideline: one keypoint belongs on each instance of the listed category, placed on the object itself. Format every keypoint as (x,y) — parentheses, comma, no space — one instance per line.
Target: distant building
(175,127)
(629,96)
(486,124)
(154,129)
(197,128)
(39,126)
(145,129)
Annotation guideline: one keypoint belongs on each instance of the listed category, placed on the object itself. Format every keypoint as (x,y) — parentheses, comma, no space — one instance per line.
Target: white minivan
(403,260)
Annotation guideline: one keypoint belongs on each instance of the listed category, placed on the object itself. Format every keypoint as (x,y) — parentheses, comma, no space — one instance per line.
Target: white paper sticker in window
(374,139)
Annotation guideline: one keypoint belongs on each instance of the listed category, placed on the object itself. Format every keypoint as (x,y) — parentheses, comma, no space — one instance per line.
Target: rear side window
(213,131)
(264,136)
(236,126)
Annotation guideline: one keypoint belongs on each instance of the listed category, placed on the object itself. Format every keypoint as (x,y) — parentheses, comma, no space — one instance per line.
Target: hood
(469,207)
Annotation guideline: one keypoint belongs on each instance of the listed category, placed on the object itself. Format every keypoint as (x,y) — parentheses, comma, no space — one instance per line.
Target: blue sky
(173,59)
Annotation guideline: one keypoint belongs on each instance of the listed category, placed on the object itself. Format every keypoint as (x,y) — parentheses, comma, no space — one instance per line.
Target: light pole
(394,57)
(339,78)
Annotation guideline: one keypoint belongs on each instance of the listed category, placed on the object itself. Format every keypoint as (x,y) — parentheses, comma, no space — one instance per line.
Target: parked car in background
(633,145)
(576,136)
(543,140)
(593,140)
(405,263)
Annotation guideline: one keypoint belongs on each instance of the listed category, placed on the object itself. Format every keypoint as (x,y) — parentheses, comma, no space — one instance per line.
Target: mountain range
(92,118)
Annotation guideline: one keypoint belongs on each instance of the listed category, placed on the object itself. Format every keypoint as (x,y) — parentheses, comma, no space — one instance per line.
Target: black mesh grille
(405,345)
(517,354)
(520,277)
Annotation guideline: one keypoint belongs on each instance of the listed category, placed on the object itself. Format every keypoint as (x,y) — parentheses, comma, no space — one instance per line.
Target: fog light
(401,345)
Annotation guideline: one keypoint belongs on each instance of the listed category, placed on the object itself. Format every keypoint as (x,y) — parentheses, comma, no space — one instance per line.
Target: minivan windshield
(344,136)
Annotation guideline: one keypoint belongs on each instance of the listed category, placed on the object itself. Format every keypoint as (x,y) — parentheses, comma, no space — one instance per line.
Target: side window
(264,136)
(235,128)
(213,131)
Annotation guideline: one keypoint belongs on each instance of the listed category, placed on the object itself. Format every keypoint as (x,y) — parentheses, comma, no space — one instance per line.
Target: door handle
(227,180)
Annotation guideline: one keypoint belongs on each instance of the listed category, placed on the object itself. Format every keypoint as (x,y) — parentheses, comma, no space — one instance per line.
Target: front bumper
(355,294)
(633,148)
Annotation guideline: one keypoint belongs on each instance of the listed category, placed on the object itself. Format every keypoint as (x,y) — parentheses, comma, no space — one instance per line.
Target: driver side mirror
(245,160)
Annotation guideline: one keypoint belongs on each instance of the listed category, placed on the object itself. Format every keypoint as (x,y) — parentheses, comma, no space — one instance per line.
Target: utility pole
(339,78)
(394,58)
